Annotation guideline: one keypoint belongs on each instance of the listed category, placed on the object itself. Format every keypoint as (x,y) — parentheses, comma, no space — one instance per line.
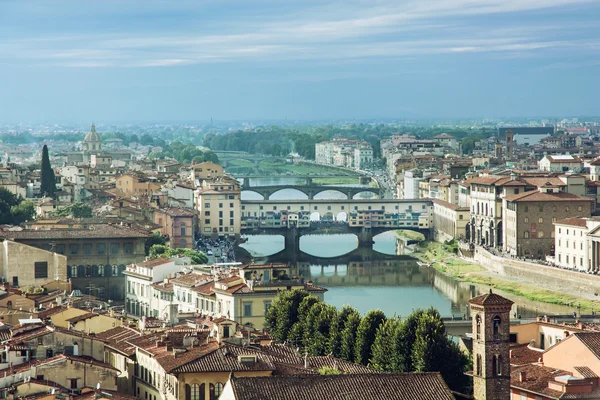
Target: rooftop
(411,386)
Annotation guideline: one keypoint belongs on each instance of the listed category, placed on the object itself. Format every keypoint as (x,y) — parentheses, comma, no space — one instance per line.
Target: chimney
(522,376)
(306,363)
(511,354)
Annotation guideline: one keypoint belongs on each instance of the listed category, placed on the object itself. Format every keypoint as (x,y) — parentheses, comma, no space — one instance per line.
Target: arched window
(494,365)
(478,326)
(496,321)
(540,220)
(218,389)
(526,234)
(526,220)
(486,209)
(211,392)
(478,364)
(498,362)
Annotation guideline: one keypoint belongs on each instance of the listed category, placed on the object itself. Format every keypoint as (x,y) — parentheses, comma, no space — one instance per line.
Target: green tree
(348,337)
(318,324)
(48,180)
(296,334)
(337,327)
(434,351)
(79,210)
(7,202)
(325,370)
(22,212)
(384,346)
(161,250)
(365,335)
(156,238)
(283,313)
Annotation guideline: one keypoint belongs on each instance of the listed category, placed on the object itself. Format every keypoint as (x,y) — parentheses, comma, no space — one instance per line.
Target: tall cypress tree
(48,181)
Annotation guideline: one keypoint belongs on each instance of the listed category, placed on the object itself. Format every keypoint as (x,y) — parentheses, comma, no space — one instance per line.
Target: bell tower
(491,354)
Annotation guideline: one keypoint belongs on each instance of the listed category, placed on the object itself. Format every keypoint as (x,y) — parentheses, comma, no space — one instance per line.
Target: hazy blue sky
(151,60)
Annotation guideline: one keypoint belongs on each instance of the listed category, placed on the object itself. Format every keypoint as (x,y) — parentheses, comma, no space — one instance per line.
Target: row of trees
(416,343)
(186,153)
(75,210)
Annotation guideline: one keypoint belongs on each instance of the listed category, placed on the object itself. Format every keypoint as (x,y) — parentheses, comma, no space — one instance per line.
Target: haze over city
(121,61)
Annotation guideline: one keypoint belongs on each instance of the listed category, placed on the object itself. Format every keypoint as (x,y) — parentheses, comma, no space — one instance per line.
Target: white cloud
(341,31)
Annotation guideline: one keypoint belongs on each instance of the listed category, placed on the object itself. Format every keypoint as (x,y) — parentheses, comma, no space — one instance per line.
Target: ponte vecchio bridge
(363,218)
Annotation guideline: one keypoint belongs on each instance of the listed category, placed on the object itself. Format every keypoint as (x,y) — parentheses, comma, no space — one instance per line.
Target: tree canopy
(415,343)
(75,210)
(187,153)
(161,250)
(14,210)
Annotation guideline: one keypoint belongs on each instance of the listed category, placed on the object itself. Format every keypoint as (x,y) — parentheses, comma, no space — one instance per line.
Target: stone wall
(552,278)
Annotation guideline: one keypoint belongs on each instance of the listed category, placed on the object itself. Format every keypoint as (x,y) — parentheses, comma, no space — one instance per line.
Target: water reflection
(380,278)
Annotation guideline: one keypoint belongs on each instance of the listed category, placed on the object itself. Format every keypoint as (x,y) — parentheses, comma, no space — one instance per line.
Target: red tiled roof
(153,263)
(536,196)
(490,299)
(581,222)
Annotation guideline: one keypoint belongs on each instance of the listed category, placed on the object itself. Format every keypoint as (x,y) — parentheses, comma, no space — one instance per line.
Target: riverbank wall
(552,278)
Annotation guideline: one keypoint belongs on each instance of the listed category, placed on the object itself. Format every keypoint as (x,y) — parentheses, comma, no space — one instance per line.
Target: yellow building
(219,206)
(206,170)
(130,185)
(84,321)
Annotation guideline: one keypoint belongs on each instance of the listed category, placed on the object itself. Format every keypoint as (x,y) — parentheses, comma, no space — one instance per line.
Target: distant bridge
(313,190)
(225,158)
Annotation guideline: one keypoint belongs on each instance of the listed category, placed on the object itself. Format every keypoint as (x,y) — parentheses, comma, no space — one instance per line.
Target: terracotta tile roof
(118,338)
(163,287)
(225,359)
(521,355)
(153,263)
(191,279)
(450,206)
(585,372)
(81,359)
(581,222)
(536,196)
(411,386)
(81,317)
(537,378)
(490,299)
(207,288)
(94,232)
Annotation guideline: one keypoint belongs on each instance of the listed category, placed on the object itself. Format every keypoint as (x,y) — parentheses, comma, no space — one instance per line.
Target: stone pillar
(365,237)
(292,239)
(309,181)
(246,182)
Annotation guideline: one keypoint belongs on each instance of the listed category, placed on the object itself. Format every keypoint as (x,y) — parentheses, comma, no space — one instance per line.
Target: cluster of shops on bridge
(371,214)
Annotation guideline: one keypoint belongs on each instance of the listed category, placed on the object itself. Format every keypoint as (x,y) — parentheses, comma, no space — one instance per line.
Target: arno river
(385,277)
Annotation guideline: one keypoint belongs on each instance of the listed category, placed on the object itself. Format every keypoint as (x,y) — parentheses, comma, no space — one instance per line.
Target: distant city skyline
(117,61)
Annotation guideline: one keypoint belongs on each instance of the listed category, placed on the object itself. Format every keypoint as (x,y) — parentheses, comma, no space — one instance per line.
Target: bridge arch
(249,194)
(321,194)
(372,194)
(315,216)
(291,189)
(341,217)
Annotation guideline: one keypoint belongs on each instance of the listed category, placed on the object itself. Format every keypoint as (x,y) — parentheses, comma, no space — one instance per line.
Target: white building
(560,163)
(363,156)
(577,243)
(411,184)
(324,153)
(140,277)
(344,153)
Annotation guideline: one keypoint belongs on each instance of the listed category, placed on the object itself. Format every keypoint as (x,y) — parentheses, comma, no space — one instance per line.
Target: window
(526,220)
(182,231)
(87,249)
(206,205)
(541,209)
(478,364)
(231,222)
(526,234)
(496,322)
(114,248)
(101,248)
(207,221)
(247,309)
(526,209)
(220,214)
(541,234)
(218,389)
(267,306)
(478,324)
(540,220)
(515,191)
(220,205)
(128,248)
(74,248)
(60,248)
(41,269)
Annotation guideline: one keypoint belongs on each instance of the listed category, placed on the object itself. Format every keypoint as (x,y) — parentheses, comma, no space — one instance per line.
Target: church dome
(92,136)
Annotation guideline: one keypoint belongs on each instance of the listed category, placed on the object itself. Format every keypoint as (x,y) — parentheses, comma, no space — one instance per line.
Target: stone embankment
(560,280)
